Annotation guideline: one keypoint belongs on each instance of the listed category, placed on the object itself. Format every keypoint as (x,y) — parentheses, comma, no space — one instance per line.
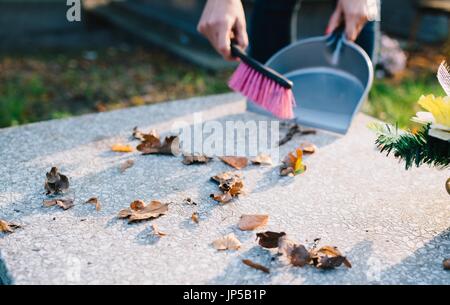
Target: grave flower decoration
(429,145)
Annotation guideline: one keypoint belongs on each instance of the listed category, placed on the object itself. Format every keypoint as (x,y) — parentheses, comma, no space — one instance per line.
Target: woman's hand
(221,21)
(355,14)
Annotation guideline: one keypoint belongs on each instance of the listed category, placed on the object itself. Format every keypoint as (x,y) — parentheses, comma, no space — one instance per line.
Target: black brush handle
(236,51)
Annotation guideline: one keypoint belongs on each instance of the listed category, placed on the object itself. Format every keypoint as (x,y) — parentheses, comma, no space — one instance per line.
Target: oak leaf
(228,242)
(195,159)
(252,222)
(269,240)
(64,204)
(95,202)
(55,182)
(236,162)
(139,211)
(262,159)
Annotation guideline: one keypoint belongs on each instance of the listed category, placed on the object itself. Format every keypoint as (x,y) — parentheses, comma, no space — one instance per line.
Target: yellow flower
(438,115)
(439,107)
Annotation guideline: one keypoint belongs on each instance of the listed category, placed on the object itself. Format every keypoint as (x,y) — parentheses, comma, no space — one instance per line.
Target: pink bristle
(263,91)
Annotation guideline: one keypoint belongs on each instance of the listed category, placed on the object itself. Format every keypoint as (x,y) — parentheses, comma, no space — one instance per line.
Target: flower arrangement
(430,145)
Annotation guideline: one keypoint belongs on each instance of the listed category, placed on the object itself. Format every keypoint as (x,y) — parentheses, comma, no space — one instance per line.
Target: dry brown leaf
(262,159)
(296,254)
(256,266)
(8,227)
(252,222)
(195,159)
(231,186)
(157,232)
(64,204)
(293,130)
(222,177)
(122,148)
(56,182)
(95,202)
(308,148)
(126,165)
(293,164)
(446,264)
(228,242)
(447,186)
(151,144)
(328,257)
(236,162)
(269,240)
(222,198)
(139,211)
(195,217)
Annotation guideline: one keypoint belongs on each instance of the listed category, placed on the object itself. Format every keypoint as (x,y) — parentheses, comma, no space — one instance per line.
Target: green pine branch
(414,149)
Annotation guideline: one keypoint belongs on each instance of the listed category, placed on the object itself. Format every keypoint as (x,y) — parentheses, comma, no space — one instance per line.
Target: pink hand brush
(264,86)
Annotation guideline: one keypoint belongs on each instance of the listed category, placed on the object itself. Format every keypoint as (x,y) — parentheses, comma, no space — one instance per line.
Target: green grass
(397,102)
(50,86)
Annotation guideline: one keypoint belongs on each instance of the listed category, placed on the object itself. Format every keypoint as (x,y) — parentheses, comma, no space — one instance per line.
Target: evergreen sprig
(413,148)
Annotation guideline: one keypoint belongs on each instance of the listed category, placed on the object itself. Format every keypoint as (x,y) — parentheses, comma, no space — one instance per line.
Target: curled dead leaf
(293,130)
(329,257)
(262,159)
(122,148)
(252,222)
(157,232)
(126,165)
(228,242)
(64,204)
(222,197)
(308,148)
(293,164)
(139,211)
(446,264)
(95,202)
(256,266)
(8,227)
(151,144)
(195,217)
(269,240)
(56,182)
(236,162)
(195,159)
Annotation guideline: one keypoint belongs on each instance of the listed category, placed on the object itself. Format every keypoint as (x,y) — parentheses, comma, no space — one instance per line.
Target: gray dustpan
(332,78)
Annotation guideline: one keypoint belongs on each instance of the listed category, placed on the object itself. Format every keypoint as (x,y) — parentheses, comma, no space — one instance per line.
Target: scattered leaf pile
(293,164)
(195,159)
(55,182)
(235,162)
(228,242)
(95,202)
(64,204)
(298,255)
(139,211)
(252,222)
(231,185)
(8,227)
(151,144)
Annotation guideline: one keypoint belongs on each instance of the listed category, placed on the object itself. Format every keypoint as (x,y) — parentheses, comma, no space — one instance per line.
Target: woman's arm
(355,14)
(221,21)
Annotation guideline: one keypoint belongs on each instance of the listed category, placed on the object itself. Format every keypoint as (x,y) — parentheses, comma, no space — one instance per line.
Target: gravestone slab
(392,224)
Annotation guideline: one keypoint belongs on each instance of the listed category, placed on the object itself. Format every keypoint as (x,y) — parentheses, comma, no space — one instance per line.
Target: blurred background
(135,52)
